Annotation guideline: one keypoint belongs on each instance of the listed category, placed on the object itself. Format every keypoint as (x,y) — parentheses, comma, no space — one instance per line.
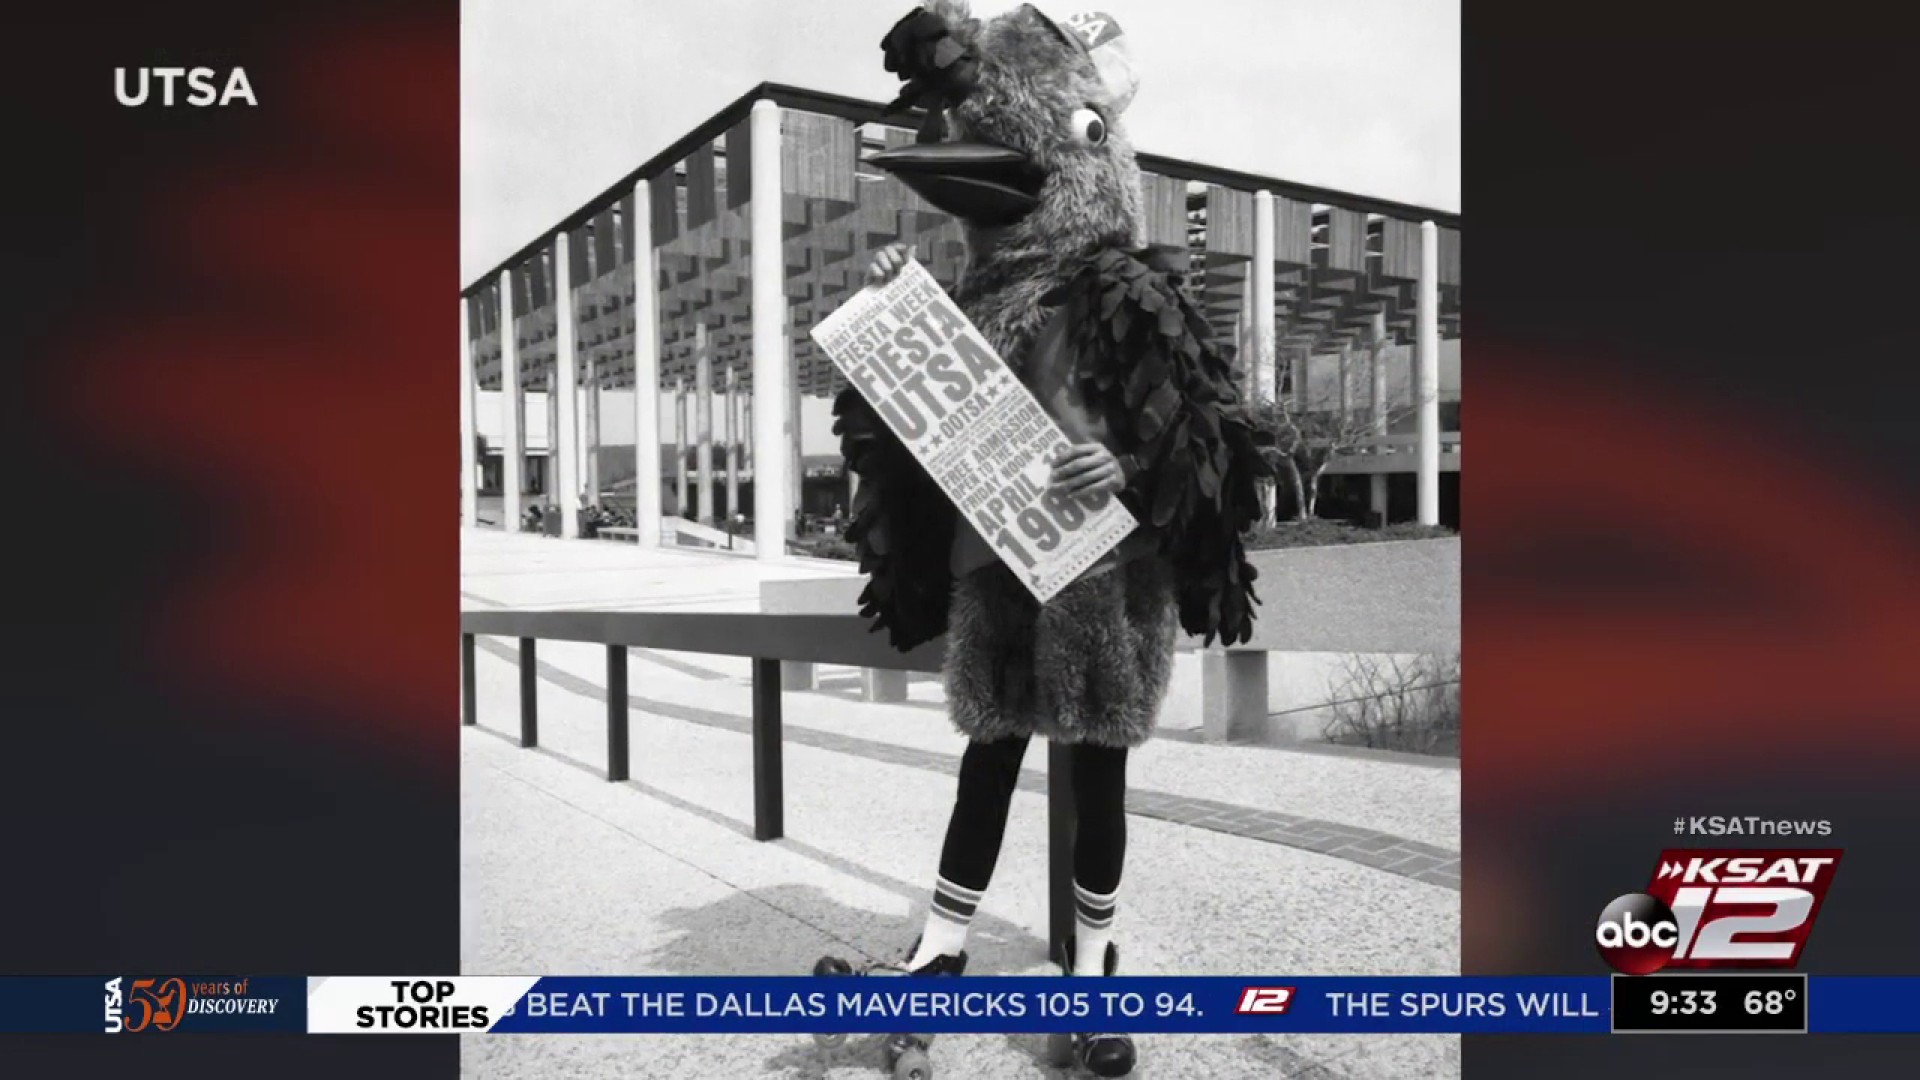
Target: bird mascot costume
(1022,141)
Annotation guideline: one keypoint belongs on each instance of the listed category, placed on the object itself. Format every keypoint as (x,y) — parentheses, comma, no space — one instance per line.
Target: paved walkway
(1371,847)
(1240,859)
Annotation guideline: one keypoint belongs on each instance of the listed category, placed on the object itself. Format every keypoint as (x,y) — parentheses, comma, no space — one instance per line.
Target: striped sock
(947,920)
(1093,929)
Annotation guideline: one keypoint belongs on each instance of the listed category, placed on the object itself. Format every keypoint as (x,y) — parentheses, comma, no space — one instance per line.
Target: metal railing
(766,640)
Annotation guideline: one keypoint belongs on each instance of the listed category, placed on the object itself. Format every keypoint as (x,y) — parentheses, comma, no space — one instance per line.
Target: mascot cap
(1105,44)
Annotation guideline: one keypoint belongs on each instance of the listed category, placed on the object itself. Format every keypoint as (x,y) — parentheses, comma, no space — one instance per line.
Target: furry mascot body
(1022,143)
(1058,282)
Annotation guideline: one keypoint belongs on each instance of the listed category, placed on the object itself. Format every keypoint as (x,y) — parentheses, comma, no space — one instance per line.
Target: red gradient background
(284,370)
(1689,567)
(231,686)
(230,681)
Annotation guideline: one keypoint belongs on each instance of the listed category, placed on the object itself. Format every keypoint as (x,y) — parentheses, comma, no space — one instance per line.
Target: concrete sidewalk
(526,571)
(1240,860)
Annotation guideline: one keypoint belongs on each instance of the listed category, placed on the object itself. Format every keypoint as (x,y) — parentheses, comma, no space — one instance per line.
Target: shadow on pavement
(744,934)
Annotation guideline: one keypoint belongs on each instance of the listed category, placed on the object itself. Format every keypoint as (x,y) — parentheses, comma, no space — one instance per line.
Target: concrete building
(754,226)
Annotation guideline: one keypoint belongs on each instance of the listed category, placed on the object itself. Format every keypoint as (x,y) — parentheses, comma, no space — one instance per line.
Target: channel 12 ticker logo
(1719,908)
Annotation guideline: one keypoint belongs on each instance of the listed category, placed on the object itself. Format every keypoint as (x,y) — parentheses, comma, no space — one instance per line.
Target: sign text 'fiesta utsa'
(980,434)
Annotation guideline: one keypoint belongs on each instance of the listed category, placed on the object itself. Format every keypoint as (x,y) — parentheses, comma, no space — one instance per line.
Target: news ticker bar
(158,1005)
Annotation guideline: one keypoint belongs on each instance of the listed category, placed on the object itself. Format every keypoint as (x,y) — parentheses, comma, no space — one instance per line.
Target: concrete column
(646,371)
(680,449)
(1263,317)
(703,417)
(583,421)
(513,455)
(549,479)
(797,674)
(1233,694)
(529,467)
(565,440)
(880,684)
(1243,339)
(1260,283)
(772,375)
(796,462)
(733,445)
(1377,405)
(1346,393)
(1427,362)
(469,453)
(590,438)
(577,441)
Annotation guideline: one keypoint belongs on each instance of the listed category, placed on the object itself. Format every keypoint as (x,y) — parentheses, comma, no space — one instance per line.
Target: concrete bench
(1389,597)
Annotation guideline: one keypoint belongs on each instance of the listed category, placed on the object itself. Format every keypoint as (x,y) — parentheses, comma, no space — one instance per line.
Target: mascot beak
(984,185)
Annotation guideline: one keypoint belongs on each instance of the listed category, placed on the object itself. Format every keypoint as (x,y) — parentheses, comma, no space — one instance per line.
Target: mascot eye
(1088,127)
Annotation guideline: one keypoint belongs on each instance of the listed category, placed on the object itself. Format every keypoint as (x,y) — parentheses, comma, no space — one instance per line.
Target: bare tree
(1341,417)
(1396,703)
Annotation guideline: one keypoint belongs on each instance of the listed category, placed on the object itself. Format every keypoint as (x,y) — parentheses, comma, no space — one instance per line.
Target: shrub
(825,547)
(1394,703)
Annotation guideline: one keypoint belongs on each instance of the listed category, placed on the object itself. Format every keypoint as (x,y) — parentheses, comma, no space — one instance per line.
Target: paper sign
(981,435)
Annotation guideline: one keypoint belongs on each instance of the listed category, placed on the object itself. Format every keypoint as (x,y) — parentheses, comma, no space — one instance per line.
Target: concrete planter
(1394,596)
(838,595)
(1400,596)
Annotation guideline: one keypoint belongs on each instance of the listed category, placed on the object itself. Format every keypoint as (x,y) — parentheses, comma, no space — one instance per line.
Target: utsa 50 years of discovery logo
(155,1004)
(1718,908)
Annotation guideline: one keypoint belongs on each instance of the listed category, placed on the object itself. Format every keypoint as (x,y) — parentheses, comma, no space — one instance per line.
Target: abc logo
(1637,934)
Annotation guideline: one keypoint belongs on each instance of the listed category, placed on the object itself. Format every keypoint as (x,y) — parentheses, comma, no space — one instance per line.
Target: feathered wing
(1171,401)
(902,528)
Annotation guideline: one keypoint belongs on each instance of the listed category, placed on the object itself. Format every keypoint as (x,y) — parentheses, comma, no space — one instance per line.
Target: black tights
(989,771)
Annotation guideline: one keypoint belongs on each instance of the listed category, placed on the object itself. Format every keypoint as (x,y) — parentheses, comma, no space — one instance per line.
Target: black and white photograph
(960,489)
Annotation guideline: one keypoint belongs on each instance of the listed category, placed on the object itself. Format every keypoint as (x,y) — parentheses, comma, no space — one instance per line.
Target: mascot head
(1023,138)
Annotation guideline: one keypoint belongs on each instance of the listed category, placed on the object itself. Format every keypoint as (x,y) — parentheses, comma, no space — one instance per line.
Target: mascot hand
(1086,469)
(887,262)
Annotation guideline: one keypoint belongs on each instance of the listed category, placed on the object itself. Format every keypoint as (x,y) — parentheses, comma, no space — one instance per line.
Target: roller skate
(905,1054)
(1105,1055)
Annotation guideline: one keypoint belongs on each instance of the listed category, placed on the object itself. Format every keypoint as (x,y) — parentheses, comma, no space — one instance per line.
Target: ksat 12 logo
(1718,908)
